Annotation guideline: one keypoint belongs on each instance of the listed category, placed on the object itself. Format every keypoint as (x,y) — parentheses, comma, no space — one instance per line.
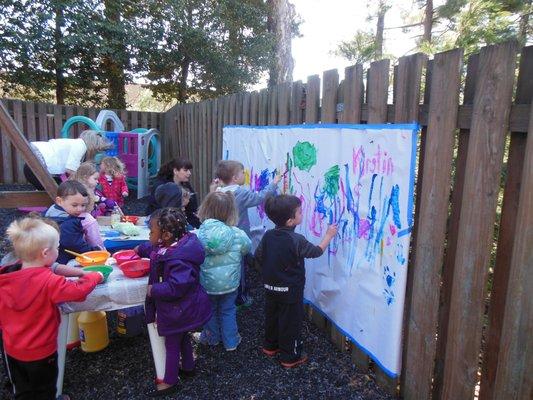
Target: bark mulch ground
(124,370)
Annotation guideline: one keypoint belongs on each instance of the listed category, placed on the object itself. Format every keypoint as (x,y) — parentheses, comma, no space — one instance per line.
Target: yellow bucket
(93,331)
(73,340)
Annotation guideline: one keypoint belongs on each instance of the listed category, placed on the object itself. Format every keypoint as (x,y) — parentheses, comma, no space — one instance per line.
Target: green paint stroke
(304,154)
(331,181)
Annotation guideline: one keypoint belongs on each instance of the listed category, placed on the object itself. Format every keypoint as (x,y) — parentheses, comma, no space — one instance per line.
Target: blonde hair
(114,166)
(84,171)
(30,236)
(227,169)
(95,143)
(221,206)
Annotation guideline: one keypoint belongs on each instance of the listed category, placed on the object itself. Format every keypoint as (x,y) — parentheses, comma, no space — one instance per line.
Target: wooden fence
(43,121)
(468,114)
(468,319)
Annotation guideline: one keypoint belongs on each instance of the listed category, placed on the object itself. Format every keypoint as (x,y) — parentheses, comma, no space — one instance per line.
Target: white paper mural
(361,177)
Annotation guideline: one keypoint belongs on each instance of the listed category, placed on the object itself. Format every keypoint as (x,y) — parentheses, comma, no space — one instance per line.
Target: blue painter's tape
(411,197)
(413,126)
(405,231)
(367,352)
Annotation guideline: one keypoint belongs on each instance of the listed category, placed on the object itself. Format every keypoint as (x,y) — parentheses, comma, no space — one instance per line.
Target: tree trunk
(280,17)
(382,9)
(59,55)
(113,62)
(182,84)
(428,21)
(523,26)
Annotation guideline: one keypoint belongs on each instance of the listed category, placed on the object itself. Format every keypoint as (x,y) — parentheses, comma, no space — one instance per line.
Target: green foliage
(361,49)
(473,24)
(33,53)
(205,48)
(89,49)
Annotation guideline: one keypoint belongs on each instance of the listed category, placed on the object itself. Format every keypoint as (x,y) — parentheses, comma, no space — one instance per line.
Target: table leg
(61,351)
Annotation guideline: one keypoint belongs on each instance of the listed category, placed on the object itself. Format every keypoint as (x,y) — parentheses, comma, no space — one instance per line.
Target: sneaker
(198,338)
(237,345)
(183,373)
(295,363)
(270,353)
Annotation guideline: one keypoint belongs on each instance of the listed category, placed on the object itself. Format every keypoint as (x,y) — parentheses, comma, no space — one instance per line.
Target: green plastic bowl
(104,269)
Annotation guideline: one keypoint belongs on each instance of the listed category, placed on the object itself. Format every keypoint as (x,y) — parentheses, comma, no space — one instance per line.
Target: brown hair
(113,165)
(166,170)
(221,206)
(84,171)
(71,188)
(227,169)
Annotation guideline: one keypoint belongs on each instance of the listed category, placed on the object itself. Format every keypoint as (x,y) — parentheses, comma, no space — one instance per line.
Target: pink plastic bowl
(125,255)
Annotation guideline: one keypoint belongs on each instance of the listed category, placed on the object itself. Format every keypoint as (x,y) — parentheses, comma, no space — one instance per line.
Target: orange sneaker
(270,353)
(295,363)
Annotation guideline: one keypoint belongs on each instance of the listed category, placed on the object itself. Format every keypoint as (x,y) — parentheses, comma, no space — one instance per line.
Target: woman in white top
(64,156)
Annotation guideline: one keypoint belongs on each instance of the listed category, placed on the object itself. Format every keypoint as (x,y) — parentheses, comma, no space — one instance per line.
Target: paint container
(93,331)
(73,339)
(158,350)
(130,321)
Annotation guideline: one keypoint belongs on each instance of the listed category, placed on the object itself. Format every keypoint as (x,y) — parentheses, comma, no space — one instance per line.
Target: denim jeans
(223,323)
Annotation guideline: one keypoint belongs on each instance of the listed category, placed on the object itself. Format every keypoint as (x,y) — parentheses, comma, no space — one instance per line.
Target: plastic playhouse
(139,149)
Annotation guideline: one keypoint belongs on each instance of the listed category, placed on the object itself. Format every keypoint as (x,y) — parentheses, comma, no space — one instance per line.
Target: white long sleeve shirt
(62,154)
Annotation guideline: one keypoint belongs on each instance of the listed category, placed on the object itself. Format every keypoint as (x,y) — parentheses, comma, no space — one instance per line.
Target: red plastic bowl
(136,268)
(130,218)
(125,255)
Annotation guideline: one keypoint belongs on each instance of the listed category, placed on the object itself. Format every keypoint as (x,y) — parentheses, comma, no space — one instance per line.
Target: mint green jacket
(224,248)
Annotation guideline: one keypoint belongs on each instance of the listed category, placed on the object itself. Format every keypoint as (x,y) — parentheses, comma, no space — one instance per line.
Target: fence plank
(6,175)
(377,91)
(297,95)
(246,104)
(42,122)
(19,121)
(485,152)
(432,216)
(353,93)
(58,120)
(30,121)
(513,376)
(453,226)
(262,114)
(408,88)
(329,96)
(506,233)
(232,109)
(254,108)
(273,105)
(284,98)
(312,99)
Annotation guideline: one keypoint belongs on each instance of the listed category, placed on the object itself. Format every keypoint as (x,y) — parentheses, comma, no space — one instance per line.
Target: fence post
(506,233)
(513,375)
(492,104)
(312,99)
(432,215)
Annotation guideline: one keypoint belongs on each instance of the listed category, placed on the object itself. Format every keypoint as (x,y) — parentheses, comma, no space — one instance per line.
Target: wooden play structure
(477,123)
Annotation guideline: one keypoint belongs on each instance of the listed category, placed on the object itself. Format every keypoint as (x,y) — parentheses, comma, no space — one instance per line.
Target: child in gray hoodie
(230,178)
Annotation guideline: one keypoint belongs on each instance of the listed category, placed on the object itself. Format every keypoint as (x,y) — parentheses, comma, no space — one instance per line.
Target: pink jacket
(91,230)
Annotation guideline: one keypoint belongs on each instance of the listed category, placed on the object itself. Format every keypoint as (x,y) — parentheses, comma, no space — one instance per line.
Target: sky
(328,22)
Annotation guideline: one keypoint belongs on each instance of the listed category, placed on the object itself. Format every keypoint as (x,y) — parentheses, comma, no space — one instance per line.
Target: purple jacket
(178,301)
